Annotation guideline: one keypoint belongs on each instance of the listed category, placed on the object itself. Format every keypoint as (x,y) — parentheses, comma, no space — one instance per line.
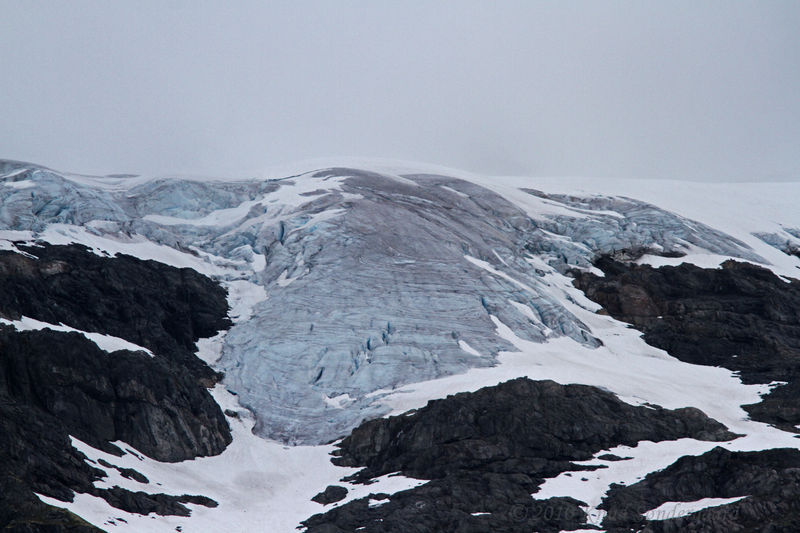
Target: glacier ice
(373,280)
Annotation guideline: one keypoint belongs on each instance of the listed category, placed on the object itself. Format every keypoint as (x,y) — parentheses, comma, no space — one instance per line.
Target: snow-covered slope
(360,292)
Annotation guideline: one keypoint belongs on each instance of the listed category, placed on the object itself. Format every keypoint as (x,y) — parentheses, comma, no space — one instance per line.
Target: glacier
(360,281)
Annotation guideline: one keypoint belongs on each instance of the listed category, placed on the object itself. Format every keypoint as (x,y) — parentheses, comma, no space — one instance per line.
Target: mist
(681,90)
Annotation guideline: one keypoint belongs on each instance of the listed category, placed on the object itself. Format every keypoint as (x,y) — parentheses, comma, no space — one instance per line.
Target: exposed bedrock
(162,308)
(154,405)
(741,316)
(768,480)
(55,384)
(487,451)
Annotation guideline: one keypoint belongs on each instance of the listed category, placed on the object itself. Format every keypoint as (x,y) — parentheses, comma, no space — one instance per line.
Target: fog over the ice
(691,90)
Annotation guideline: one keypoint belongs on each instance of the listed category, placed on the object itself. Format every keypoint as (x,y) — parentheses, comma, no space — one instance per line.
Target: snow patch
(107,343)
(467,348)
(669,510)
(253,481)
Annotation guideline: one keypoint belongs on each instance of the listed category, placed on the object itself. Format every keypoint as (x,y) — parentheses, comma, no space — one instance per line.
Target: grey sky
(698,90)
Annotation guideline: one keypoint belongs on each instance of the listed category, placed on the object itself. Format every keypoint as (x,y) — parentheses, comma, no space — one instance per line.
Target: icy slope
(356,293)
(374,280)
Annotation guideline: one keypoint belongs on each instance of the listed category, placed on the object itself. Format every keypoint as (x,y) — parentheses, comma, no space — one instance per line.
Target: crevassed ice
(372,281)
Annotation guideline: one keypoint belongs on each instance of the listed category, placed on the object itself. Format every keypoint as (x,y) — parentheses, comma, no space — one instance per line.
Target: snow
(591,486)
(457,193)
(209,350)
(669,510)
(467,348)
(703,260)
(13,173)
(8,238)
(253,480)
(134,245)
(338,402)
(283,280)
(24,184)
(386,484)
(107,343)
(487,267)
(376,503)
(294,192)
(220,217)
(243,297)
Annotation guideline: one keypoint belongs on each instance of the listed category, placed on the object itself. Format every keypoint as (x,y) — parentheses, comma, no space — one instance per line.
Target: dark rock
(128,473)
(742,317)
(159,307)
(612,457)
(519,419)
(55,384)
(36,456)
(144,503)
(489,450)
(769,479)
(331,494)
(145,401)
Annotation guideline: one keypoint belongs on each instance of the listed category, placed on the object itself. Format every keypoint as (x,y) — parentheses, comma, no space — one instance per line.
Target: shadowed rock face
(55,384)
(741,317)
(769,479)
(161,308)
(487,451)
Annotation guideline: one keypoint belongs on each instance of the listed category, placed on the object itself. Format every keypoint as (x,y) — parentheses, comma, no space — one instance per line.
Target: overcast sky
(689,90)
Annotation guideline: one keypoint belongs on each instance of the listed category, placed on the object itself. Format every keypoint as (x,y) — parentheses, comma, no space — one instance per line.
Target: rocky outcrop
(486,452)
(150,403)
(741,316)
(768,480)
(162,308)
(331,494)
(56,384)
